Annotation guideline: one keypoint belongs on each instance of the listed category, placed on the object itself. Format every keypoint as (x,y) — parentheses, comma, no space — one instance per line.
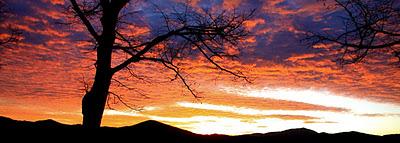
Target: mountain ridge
(154,131)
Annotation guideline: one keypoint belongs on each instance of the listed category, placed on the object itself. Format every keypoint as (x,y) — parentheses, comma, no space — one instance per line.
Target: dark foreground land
(153,131)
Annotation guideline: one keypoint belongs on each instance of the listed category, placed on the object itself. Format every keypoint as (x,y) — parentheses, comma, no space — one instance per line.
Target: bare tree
(186,32)
(370,26)
(12,34)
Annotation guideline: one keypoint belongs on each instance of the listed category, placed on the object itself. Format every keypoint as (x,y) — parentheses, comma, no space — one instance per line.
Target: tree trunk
(94,101)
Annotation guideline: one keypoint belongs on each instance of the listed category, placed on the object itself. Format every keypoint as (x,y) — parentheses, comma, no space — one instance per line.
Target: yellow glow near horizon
(361,115)
(318,97)
(328,121)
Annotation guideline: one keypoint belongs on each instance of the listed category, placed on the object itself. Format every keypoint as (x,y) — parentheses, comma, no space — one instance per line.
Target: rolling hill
(157,132)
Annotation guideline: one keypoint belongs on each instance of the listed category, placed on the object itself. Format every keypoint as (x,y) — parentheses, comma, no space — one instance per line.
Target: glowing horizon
(320,120)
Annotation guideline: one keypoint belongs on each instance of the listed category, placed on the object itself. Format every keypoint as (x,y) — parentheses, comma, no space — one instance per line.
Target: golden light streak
(318,97)
(327,121)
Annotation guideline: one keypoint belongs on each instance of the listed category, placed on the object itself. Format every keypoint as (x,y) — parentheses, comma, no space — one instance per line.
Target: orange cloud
(52,13)
(55,2)
(250,24)
(231,4)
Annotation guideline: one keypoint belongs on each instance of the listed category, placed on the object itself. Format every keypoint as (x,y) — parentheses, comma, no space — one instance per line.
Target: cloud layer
(293,85)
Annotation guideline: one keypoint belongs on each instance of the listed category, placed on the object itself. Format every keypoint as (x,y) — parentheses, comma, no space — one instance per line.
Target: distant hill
(153,131)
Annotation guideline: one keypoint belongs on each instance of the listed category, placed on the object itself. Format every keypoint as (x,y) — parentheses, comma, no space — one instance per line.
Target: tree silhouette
(186,33)
(370,26)
(11,35)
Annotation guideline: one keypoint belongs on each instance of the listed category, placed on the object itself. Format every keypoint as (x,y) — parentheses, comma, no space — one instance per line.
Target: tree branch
(370,26)
(216,64)
(147,47)
(175,69)
(85,21)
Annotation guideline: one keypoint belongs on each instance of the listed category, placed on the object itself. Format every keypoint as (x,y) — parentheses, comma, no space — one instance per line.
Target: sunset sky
(293,85)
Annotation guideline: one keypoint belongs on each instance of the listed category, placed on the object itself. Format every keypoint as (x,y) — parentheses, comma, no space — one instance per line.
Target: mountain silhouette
(157,132)
(289,132)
